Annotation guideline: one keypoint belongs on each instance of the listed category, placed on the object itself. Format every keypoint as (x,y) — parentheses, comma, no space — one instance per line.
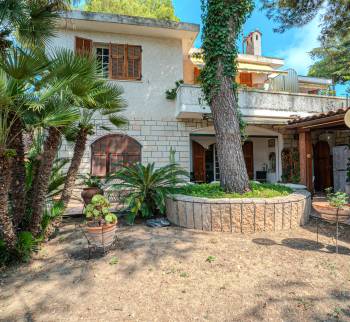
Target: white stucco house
(146,57)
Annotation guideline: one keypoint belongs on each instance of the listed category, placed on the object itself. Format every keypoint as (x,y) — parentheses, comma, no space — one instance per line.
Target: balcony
(258,106)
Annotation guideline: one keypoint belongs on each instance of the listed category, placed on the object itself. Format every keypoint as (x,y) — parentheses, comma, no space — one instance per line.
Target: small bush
(214,190)
(97,211)
(26,245)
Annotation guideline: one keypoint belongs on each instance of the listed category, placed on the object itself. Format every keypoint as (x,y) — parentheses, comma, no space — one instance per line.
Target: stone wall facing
(240,215)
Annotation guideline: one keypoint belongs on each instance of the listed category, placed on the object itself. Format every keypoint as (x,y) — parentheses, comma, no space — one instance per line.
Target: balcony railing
(190,103)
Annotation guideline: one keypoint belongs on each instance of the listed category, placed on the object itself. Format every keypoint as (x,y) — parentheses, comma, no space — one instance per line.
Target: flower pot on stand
(101,236)
(88,193)
(329,213)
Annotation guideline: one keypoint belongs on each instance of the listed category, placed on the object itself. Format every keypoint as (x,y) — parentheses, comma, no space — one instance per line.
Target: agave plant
(146,187)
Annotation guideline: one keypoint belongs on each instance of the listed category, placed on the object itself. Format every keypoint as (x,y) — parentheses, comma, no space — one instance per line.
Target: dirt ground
(173,274)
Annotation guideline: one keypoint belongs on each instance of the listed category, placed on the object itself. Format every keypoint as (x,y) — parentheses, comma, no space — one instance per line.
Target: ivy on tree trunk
(223,21)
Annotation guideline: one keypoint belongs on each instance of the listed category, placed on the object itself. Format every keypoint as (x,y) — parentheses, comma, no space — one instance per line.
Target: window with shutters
(110,152)
(125,62)
(121,62)
(83,45)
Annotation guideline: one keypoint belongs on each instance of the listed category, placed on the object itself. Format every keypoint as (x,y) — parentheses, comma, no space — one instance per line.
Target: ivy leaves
(223,21)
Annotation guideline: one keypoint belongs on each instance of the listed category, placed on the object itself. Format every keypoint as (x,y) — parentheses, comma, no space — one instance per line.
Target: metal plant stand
(102,245)
(336,221)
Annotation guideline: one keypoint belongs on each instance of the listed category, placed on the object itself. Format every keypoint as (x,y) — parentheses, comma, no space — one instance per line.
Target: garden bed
(266,208)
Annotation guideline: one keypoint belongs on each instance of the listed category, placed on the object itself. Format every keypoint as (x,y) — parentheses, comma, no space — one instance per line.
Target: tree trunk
(79,150)
(42,178)
(17,189)
(9,232)
(224,107)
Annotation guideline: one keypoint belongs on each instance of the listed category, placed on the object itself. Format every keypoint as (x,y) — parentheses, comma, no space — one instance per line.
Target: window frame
(125,64)
(108,153)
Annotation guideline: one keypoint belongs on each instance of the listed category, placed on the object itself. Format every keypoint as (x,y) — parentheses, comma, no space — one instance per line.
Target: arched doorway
(108,152)
(248,153)
(322,166)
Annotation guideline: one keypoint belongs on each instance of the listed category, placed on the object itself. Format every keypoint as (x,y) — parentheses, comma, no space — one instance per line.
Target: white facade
(159,124)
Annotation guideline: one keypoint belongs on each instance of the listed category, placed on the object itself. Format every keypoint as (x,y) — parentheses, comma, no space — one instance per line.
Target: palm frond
(147,187)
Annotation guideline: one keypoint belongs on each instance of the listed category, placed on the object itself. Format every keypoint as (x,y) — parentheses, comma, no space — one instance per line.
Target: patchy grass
(213,190)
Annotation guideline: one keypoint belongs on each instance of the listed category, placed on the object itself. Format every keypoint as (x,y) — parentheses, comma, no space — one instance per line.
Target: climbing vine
(223,21)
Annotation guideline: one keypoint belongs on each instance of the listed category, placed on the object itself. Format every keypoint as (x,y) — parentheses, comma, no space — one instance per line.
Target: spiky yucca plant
(146,187)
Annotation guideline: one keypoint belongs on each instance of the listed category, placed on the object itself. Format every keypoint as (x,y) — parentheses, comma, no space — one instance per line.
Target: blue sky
(293,45)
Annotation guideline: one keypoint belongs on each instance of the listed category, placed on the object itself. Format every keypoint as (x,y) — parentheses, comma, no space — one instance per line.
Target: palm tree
(32,21)
(9,232)
(56,115)
(99,97)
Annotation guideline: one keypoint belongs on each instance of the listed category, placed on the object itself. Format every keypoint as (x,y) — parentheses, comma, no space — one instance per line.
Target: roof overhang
(318,121)
(120,24)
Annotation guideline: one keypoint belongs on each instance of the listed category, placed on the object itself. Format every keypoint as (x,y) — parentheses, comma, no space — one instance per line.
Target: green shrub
(97,211)
(337,199)
(213,190)
(52,212)
(26,245)
(91,181)
(147,187)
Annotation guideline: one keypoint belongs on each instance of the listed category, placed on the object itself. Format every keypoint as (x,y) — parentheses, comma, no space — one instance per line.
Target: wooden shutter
(134,62)
(83,45)
(117,61)
(246,79)
(125,61)
(99,164)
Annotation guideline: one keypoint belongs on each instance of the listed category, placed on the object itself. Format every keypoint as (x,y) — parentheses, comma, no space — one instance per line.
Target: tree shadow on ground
(294,305)
(70,266)
(312,245)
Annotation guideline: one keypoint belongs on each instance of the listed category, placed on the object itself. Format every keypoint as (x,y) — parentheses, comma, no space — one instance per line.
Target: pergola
(333,120)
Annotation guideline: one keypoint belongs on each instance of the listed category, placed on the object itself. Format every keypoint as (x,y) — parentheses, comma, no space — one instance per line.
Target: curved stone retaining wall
(240,215)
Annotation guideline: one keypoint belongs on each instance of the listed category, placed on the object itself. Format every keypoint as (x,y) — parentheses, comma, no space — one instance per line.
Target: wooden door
(198,157)
(322,166)
(249,158)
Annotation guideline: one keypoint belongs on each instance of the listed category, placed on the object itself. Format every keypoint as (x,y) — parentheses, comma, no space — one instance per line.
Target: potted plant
(93,187)
(347,185)
(101,222)
(336,208)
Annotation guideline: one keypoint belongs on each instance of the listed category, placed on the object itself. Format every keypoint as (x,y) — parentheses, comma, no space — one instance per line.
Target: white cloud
(297,54)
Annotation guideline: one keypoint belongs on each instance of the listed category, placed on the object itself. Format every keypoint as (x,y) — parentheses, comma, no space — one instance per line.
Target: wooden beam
(305,151)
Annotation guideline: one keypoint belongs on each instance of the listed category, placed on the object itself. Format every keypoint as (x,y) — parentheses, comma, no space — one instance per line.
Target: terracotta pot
(101,236)
(329,213)
(89,192)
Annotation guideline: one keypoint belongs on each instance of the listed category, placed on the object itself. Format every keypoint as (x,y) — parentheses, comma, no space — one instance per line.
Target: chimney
(253,43)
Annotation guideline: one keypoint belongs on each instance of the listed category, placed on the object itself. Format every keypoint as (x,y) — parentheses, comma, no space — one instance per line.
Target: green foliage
(26,245)
(222,21)
(210,259)
(332,59)
(52,212)
(335,14)
(147,187)
(337,199)
(114,260)
(91,181)
(32,21)
(171,94)
(159,9)
(214,190)
(97,211)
